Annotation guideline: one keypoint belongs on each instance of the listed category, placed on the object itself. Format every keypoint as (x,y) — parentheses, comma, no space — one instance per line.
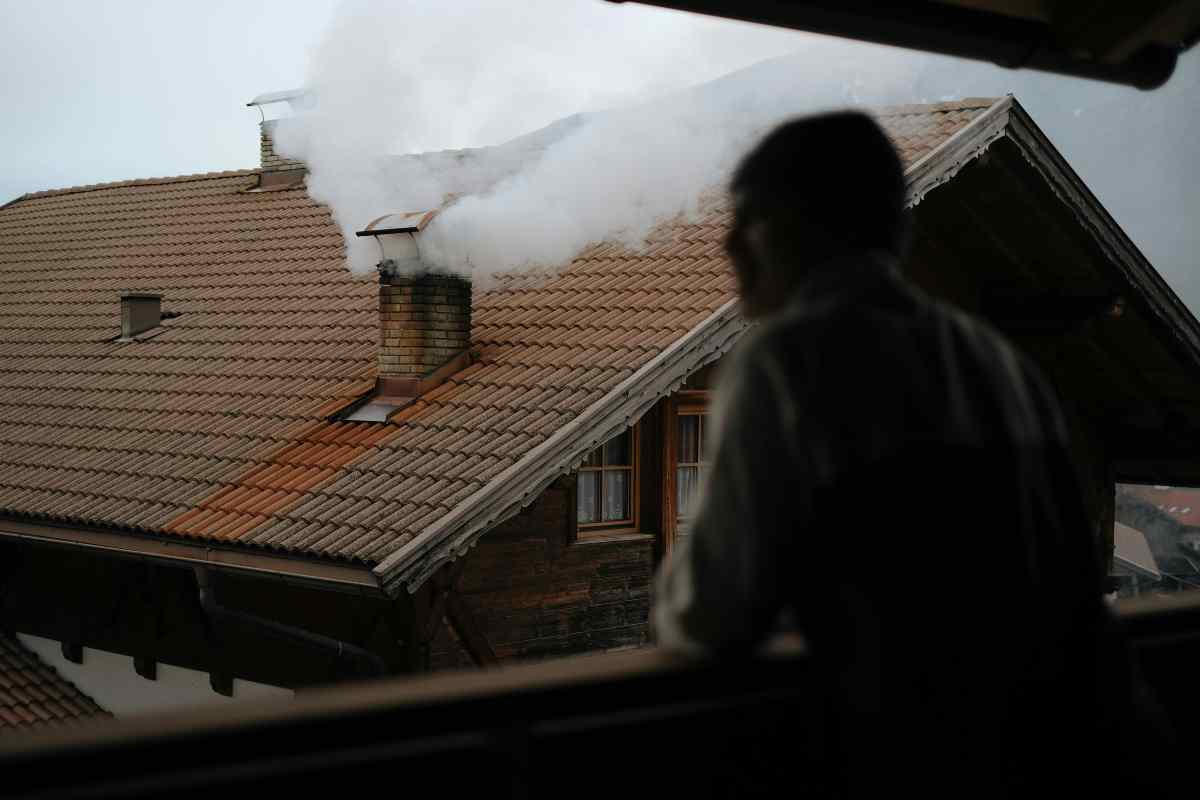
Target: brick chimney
(272,162)
(277,172)
(424,329)
(424,317)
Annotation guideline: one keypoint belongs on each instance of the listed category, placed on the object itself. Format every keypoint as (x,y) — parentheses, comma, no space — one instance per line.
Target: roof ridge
(961,104)
(152,181)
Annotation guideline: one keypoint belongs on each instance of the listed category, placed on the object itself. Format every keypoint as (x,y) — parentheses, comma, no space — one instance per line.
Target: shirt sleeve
(721,591)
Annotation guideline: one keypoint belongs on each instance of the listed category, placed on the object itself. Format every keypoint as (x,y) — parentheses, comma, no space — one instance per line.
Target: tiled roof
(219,429)
(1181,504)
(34,695)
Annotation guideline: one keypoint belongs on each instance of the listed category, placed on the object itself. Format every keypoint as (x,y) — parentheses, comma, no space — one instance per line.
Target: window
(685,461)
(606,493)
(691,460)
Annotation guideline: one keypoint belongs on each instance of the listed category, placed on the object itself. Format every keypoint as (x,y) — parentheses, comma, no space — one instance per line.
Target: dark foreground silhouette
(896,479)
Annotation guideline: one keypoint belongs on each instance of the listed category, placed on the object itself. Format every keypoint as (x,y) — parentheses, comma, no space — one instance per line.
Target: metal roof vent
(396,235)
(140,311)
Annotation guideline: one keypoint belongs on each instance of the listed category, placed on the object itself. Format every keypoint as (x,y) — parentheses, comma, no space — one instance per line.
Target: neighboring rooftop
(220,428)
(1180,503)
(1132,552)
(33,695)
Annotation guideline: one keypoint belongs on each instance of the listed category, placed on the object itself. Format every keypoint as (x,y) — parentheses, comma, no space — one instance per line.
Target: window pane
(588,496)
(687,484)
(616,495)
(616,451)
(593,458)
(687,449)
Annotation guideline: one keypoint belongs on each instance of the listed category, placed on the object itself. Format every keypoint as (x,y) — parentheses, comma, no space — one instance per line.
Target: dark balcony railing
(629,723)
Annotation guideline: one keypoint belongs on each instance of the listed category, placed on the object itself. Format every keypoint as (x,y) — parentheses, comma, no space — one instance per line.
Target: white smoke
(393,88)
(398,85)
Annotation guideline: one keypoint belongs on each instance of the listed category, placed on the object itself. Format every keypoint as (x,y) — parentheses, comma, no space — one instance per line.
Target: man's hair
(839,170)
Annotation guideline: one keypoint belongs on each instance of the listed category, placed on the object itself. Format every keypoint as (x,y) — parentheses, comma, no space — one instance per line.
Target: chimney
(140,311)
(424,325)
(424,318)
(272,162)
(277,171)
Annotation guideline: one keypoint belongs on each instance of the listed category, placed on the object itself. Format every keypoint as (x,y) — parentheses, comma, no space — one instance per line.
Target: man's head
(813,189)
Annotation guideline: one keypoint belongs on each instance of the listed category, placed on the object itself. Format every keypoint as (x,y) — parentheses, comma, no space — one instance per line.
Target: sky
(132,89)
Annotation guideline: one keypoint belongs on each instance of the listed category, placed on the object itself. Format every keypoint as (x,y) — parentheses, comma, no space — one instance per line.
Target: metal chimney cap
(295,97)
(128,294)
(399,222)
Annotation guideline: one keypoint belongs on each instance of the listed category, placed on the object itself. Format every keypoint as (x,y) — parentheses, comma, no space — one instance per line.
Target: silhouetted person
(894,475)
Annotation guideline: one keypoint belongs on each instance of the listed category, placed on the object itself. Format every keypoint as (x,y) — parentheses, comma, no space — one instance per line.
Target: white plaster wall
(111,681)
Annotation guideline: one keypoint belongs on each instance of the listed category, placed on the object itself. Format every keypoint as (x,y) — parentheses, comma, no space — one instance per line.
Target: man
(893,476)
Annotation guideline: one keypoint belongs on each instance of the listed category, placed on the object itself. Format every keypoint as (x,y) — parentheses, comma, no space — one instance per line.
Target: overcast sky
(117,90)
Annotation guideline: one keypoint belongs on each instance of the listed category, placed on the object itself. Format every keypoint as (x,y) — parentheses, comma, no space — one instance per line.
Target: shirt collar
(850,273)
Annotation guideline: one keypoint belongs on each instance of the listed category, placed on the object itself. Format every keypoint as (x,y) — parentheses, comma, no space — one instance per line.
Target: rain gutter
(341,577)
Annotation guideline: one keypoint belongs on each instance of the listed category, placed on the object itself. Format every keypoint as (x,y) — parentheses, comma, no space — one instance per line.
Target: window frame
(585,531)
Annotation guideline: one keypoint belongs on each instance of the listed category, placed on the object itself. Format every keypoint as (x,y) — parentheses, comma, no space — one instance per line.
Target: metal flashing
(945,161)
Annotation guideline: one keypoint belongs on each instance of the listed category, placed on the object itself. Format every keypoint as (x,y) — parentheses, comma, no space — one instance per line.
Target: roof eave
(1164,306)
(179,552)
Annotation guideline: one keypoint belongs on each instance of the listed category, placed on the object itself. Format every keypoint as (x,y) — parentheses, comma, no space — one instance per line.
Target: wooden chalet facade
(202,494)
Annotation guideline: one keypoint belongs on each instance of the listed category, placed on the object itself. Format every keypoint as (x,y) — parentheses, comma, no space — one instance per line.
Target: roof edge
(343,577)
(944,162)
(455,533)
(155,181)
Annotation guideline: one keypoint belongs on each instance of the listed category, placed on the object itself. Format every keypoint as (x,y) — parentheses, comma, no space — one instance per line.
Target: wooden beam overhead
(1140,47)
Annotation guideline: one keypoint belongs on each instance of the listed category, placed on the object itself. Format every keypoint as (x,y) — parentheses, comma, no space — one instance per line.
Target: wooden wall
(536,592)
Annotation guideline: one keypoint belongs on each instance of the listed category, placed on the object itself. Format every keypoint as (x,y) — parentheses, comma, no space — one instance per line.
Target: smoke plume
(634,115)
(388,98)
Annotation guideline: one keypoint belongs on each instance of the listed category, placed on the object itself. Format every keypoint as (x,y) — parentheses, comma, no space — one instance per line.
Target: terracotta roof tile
(219,428)
(34,695)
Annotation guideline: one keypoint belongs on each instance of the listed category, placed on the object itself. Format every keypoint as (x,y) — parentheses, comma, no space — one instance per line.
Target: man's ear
(758,251)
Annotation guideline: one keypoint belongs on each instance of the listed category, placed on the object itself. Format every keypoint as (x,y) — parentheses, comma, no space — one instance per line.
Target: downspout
(371,664)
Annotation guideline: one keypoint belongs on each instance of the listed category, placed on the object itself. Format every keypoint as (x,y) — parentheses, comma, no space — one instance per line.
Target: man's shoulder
(1016,377)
